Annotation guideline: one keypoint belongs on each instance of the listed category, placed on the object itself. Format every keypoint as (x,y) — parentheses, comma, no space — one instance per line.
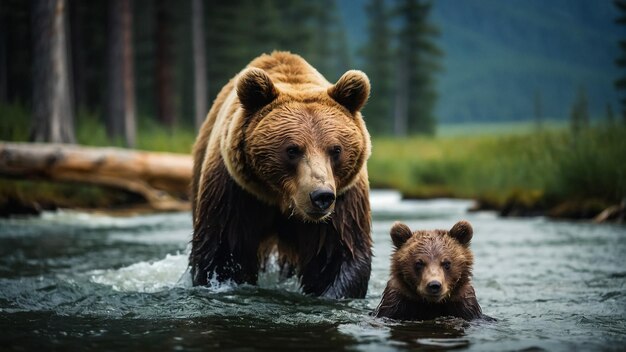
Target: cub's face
(431,265)
(306,153)
(303,149)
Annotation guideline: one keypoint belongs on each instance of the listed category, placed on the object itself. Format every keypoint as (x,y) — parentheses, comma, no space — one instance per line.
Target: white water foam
(155,276)
(171,272)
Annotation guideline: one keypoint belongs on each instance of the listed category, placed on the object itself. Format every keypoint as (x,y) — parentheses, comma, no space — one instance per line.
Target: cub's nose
(322,199)
(433,287)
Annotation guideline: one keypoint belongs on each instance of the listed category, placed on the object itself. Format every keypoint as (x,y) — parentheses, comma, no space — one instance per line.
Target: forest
(143,73)
(121,64)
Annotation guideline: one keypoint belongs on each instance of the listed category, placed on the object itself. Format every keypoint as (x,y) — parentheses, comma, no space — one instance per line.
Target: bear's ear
(462,231)
(351,90)
(400,233)
(255,89)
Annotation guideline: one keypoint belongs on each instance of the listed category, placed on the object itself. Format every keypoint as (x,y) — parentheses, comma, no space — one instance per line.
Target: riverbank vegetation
(556,171)
(553,170)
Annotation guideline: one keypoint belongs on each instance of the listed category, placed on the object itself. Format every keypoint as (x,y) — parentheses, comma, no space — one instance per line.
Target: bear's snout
(434,287)
(322,198)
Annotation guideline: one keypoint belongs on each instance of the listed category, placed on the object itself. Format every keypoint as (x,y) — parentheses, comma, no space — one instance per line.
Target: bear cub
(430,275)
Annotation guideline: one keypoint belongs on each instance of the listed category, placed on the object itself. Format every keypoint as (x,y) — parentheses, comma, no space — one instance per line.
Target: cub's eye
(419,265)
(335,152)
(446,265)
(293,152)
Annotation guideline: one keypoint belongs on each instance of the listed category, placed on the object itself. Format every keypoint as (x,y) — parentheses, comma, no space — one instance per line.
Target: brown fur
(276,133)
(422,257)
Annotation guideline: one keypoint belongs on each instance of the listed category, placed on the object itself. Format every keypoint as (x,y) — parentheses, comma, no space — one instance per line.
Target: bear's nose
(322,199)
(433,287)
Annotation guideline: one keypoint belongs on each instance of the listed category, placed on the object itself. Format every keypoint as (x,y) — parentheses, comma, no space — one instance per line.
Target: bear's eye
(419,265)
(335,152)
(446,264)
(293,152)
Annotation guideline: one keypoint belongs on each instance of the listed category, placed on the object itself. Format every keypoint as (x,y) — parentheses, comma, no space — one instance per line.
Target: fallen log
(162,179)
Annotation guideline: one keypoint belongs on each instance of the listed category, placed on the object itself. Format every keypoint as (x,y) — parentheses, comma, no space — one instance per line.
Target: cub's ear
(400,233)
(462,231)
(255,89)
(351,90)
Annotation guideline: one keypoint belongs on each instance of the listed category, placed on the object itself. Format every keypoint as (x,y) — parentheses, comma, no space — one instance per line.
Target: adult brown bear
(280,165)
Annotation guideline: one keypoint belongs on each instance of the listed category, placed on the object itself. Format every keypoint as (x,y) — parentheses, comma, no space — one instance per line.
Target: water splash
(172,271)
(148,277)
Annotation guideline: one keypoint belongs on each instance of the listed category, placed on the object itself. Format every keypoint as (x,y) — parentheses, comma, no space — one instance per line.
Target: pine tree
(620,84)
(610,117)
(266,29)
(199,63)
(538,110)
(165,61)
(53,113)
(320,53)
(227,40)
(120,104)
(379,68)
(297,26)
(579,116)
(418,61)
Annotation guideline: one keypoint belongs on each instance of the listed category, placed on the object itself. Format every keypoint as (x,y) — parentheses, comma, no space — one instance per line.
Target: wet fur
(404,297)
(243,195)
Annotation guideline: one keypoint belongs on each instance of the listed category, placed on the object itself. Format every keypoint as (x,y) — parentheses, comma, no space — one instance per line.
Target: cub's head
(432,265)
(300,146)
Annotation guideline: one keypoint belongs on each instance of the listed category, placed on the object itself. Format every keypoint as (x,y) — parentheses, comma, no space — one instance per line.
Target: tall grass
(549,166)
(15,125)
(555,165)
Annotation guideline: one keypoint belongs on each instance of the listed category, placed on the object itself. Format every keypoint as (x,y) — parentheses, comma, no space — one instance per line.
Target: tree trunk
(199,63)
(77,46)
(164,66)
(53,118)
(120,110)
(160,178)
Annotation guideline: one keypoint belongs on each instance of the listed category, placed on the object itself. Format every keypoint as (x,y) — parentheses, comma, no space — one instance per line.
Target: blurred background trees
(126,63)
(53,113)
(620,83)
(128,66)
(521,88)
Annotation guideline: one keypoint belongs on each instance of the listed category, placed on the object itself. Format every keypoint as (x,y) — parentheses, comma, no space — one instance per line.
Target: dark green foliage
(418,57)
(379,67)
(610,117)
(401,65)
(620,83)
(14,122)
(579,117)
(236,31)
(550,167)
(240,30)
(538,110)
(15,28)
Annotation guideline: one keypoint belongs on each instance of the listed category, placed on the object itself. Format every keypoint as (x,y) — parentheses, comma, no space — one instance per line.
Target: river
(71,281)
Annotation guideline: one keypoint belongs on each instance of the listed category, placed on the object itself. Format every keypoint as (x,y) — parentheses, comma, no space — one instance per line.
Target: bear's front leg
(339,276)
(229,224)
(341,268)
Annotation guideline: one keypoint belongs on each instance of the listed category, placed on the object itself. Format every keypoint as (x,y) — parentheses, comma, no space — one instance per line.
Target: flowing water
(75,281)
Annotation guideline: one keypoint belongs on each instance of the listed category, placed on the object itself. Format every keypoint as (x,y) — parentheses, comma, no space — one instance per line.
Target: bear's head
(298,145)
(432,265)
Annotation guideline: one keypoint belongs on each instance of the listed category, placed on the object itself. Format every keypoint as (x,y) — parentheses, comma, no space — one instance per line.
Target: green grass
(550,167)
(90,131)
(497,163)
